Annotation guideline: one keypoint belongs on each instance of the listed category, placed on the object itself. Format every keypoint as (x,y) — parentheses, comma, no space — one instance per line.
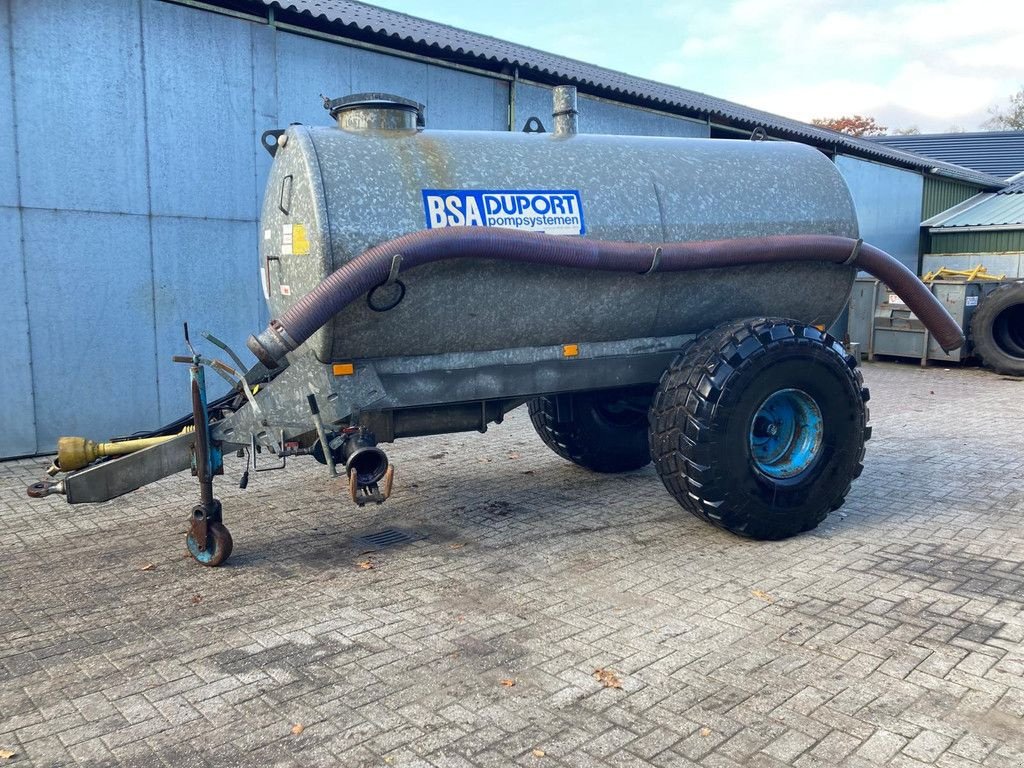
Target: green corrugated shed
(998,241)
(942,194)
(987,223)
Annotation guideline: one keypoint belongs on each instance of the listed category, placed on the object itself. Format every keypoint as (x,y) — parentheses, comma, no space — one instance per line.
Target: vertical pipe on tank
(564,112)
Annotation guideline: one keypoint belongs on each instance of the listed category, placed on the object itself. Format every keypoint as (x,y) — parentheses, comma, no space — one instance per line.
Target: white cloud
(941,61)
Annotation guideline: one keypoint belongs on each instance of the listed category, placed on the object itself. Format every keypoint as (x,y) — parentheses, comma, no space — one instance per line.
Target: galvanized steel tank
(335,191)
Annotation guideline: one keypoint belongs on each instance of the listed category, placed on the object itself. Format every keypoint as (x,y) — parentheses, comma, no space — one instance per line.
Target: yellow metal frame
(978,272)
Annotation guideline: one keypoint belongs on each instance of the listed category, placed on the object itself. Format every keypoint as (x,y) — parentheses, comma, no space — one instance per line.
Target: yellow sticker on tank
(300,244)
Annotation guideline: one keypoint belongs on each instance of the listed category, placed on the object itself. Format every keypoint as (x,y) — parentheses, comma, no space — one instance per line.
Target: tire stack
(997,329)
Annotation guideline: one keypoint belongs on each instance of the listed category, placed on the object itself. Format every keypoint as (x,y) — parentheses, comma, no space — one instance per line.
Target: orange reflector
(343,369)
(570,350)
(820,326)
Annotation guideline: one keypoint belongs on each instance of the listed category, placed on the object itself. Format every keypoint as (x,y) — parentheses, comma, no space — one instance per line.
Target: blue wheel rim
(786,434)
(202,555)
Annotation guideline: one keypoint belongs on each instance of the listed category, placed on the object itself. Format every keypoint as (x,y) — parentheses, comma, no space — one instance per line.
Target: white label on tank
(264,284)
(266,234)
(286,239)
(894,299)
(971,301)
(552,211)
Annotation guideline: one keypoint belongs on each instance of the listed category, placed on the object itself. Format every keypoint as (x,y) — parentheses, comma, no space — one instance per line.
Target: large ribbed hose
(371,268)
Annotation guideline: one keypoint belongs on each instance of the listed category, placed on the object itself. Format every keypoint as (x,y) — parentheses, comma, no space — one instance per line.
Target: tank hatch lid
(380,111)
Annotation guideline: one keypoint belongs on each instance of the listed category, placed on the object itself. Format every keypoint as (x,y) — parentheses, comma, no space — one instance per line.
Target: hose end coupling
(271,344)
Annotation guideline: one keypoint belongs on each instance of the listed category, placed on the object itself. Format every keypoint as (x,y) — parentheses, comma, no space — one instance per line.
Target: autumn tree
(1012,119)
(855,125)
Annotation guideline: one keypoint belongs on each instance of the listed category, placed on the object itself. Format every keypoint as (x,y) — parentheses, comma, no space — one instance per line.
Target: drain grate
(389,537)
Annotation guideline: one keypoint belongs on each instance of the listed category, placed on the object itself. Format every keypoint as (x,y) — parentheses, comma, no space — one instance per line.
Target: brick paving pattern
(891,636)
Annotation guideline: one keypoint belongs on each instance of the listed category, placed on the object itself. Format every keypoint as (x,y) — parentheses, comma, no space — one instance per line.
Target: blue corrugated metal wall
(130,180)
(888,202)
(17,411)
(600,116)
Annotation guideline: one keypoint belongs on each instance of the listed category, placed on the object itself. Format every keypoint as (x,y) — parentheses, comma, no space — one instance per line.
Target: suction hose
(372,267)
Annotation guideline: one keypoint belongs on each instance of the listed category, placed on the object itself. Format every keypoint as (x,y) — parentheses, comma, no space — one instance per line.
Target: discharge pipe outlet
(362,456)
(371,268)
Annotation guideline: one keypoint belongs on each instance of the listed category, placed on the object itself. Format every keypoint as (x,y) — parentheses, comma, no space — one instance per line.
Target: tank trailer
(648,299)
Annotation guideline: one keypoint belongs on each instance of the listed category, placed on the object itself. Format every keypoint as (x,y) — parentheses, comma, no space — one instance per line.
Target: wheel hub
(786,434)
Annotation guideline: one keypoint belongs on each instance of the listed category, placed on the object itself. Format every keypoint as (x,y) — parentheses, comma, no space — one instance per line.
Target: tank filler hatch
(375,112)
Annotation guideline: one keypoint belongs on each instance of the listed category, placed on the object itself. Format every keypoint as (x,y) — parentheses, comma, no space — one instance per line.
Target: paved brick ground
(893,635)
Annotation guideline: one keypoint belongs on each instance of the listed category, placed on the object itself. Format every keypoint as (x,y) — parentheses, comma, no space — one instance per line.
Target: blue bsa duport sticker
(552,211)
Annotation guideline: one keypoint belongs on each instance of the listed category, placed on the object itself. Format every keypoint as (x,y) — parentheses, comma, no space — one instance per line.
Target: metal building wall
(888,203)
(17,417)
(130,182)
(602,116)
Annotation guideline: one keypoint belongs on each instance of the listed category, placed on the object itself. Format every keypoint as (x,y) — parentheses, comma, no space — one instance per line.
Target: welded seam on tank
(663,220)
(321,191)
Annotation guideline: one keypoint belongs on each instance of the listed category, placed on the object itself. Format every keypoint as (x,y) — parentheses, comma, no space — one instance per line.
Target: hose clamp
(279,331)
(272,344)
(856,252)
(390,293)
(655,262)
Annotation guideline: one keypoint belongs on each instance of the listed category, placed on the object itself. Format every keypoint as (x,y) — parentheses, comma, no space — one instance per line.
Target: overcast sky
(934,64)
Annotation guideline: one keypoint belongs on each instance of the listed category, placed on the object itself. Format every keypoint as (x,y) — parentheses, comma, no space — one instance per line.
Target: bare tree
(1012,119)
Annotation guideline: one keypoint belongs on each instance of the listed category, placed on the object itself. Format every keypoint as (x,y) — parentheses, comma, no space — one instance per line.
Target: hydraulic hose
(372,267)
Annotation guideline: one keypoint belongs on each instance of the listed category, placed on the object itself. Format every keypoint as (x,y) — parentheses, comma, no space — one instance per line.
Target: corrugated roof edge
(991,210)
(998,153)
(438,39)
(910,138)
(940,218)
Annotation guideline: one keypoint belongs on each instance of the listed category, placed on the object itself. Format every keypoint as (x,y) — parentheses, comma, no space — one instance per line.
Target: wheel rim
(218,545)
(786,434)
(203,555)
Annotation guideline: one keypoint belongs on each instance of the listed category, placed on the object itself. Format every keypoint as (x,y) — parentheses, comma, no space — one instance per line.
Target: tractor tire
(997,329)
(603,431)
(759,427)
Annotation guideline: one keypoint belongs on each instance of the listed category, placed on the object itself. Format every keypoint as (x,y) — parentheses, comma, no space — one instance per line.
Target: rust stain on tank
(432,162)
